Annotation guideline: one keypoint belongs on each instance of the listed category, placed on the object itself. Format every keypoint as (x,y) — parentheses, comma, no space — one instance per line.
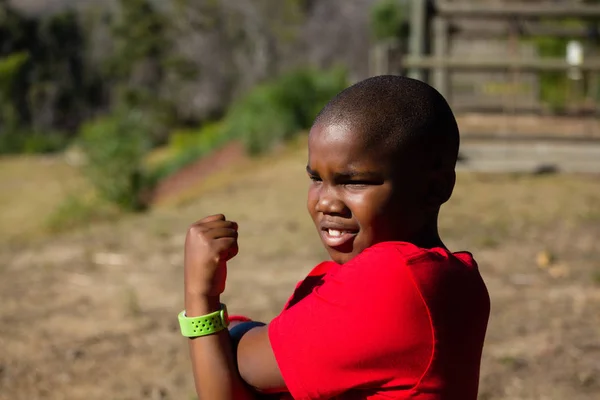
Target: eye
(314,178)
(358,184)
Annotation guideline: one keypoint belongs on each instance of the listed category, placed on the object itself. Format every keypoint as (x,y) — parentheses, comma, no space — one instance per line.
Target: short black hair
(399,113)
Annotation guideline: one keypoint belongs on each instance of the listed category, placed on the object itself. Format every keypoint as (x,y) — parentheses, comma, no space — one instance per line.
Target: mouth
(336,237)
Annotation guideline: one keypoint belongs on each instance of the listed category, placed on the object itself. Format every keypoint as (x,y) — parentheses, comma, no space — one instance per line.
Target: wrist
(197,305)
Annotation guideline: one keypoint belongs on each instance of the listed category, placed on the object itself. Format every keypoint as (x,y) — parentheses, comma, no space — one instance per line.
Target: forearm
(215,372)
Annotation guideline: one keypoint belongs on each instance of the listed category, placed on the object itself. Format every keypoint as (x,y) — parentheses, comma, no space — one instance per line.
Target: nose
(330,203)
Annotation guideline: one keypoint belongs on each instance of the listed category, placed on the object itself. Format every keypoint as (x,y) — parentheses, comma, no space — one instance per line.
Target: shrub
(277,110)
(14,141)
(187,146)
(260,119)
(77,211)
(388,20)
(115,147)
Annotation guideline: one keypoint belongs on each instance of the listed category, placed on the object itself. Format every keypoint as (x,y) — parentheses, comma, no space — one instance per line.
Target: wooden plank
(528,29)
(530,157)
(498,64)
(517,10)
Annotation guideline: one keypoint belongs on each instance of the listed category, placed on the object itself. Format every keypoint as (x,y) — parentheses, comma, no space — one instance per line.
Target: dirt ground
(91,313)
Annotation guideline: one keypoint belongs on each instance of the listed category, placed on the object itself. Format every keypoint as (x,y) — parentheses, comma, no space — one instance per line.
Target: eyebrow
(346,174)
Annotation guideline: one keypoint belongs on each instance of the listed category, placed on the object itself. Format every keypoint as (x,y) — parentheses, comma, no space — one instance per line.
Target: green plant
(14,141)
(15,136)
(388,20)
(115,147)
(10,67)
(596,277)
(277,110)
(77,211)
(554,86)
(187,146)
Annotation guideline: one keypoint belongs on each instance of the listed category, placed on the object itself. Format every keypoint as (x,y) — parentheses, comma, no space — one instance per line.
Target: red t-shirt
(396,322)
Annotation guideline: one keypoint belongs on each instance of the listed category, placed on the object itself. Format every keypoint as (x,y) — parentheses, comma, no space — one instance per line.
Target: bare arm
(215,373)
(210,242)
(256,362)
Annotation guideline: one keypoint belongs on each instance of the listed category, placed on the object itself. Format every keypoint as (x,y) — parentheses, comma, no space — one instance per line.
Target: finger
(228,248)
(226,245)
(217,224)
(217,233)
(210,218)
(233,251)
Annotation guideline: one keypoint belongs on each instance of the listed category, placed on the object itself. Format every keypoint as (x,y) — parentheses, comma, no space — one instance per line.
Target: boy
(394,315)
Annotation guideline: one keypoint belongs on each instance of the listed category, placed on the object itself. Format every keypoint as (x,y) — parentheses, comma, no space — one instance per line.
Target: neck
(428,236)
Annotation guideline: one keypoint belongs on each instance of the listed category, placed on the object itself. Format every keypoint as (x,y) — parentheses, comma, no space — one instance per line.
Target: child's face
(357,197)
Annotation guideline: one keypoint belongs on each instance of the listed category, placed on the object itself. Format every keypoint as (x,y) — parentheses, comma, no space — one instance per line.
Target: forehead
(340,146)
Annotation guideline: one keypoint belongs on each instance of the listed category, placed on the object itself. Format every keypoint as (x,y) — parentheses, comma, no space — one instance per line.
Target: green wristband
(204,324)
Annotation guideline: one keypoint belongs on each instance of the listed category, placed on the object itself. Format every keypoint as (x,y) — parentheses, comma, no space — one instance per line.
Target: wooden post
(441,79)
(417,35)
(378,59)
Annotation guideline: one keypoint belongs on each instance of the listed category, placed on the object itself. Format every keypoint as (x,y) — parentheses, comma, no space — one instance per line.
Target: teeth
(335,233)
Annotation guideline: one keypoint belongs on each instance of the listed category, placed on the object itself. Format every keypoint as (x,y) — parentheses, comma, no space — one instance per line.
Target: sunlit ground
(90,313)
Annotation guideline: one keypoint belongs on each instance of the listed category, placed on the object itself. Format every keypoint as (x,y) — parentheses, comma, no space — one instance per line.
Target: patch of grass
(132,303)
(237,172)
(509,205)
(488,241)
(514,363)
(596,277)
(32,189)
(77,211)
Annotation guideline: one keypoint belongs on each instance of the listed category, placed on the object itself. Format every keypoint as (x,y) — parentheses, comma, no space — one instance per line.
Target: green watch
(204,324)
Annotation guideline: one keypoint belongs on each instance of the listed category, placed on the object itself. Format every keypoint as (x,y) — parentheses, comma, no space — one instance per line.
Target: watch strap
(204,324)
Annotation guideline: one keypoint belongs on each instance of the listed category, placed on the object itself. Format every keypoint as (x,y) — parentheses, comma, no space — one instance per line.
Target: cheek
(370,206)
(312,199)
(376,213)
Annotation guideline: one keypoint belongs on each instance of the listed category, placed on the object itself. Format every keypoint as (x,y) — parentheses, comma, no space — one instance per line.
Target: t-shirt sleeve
(366,326)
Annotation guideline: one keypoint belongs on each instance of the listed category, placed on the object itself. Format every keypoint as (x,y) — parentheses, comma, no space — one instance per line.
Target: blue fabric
(240,330)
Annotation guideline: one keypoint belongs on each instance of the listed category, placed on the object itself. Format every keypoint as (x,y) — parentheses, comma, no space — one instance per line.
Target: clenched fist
(209,244)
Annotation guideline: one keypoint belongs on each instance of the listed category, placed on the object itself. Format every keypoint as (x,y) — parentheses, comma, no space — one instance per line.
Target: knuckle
(195,230)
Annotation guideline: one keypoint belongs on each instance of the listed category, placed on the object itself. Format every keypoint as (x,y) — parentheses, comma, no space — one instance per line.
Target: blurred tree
(140,45)
(49,91)
(180,61)
(138,63)
(234,44)
(17,33)
(10,68)
(389,20)
(56,95)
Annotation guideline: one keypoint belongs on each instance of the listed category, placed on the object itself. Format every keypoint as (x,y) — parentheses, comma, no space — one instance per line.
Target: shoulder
(394,264)
(379,273)
(405,252)
(393,256)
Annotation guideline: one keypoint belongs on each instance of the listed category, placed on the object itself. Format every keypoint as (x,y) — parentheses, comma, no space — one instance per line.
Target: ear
(441,186)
